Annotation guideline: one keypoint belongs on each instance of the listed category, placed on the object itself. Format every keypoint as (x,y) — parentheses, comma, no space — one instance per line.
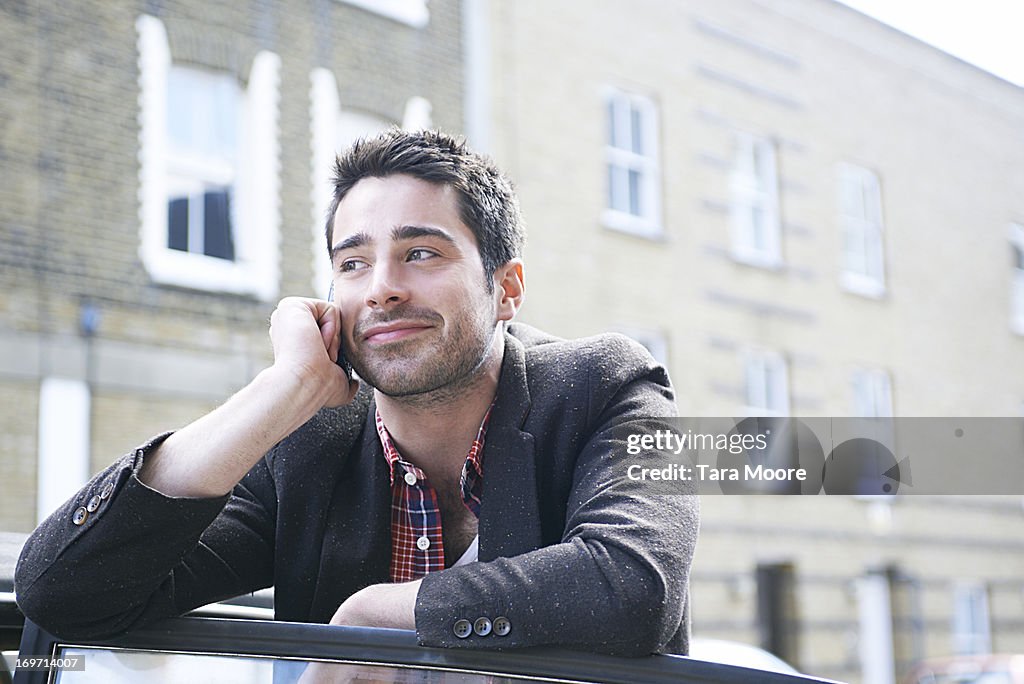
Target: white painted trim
(477,58)
(64,440)
(875,644)
(411,12)
(323,117)
(256,206)
(417,114)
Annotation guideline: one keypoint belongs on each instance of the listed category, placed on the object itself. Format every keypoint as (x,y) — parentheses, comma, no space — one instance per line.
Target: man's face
(416,314)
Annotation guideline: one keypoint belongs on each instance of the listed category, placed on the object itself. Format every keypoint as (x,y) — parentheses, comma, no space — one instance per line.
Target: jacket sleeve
(119,554)
(618,580)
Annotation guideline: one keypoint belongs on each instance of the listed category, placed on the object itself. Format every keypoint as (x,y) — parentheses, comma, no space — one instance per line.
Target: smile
(393,332)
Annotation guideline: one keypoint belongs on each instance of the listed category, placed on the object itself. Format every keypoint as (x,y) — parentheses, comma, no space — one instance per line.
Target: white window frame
(765,383)
(754,187)
(332,129)
(1016,237)
(410,12)
(256,197)
(861,225)
(619,107)
(872,393)
(971,628)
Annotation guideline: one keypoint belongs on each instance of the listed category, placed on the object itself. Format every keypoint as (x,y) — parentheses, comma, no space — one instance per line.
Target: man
(470,496)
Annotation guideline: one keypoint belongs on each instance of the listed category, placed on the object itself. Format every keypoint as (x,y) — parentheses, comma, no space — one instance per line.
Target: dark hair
(487,202)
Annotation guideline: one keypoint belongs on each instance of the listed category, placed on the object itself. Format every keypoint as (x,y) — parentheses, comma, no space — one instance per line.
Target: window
(334,128)
(202,161)
(411,12)
(633,204)
(971,632)
(872,394)
(1017,285)
(209,166)
(766,386)
(860,225)
(754,209)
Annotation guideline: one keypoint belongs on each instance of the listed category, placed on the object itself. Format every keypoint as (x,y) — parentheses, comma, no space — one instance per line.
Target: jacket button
(482,626)
(462,628)
(502,626)
(93,504)
(108,489)
(80,516)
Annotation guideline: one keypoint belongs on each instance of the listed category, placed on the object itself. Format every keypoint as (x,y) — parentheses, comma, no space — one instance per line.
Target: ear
(508,289)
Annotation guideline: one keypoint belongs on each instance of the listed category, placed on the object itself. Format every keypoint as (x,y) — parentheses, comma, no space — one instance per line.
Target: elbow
(651,602)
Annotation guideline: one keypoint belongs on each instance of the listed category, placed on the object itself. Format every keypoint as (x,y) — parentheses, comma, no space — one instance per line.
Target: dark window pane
(217,210)
(177,224)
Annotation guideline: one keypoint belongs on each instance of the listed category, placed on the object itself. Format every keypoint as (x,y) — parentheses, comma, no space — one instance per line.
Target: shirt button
(410,479)
(80,516)
(462,628)
(93,504)
(502,626)
(423,543)
(107,490)
(482,626)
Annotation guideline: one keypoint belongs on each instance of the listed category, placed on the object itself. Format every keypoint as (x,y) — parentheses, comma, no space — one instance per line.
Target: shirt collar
(474,458)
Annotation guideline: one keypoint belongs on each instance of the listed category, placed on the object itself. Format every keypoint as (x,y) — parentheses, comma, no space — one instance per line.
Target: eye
(419,254)
(349,265)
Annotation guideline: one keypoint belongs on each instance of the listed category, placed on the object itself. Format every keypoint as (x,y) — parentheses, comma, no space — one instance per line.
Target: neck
(435,430)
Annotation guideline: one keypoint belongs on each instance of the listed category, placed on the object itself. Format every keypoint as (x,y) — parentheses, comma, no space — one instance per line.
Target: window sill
(633,225)
(769,262)
(200,272)
(412,13)
(861,285)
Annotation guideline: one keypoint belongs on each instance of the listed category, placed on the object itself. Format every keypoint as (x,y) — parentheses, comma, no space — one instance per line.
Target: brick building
(164,173)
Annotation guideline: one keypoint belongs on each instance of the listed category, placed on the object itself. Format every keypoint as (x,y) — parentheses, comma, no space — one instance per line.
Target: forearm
(210,456)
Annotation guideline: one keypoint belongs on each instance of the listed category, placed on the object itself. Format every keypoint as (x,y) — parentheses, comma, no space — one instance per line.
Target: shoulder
(608,356)
(597,368)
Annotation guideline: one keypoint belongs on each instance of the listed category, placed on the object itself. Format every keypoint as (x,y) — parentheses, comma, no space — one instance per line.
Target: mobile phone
(341,360)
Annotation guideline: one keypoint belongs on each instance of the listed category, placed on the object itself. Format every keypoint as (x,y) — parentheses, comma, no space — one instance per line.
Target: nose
(386,288)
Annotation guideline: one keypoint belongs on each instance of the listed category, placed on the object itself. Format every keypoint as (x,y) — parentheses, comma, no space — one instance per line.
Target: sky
(986,33)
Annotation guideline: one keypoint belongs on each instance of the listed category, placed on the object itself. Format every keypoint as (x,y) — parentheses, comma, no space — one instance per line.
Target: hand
(306,336)
(380,605)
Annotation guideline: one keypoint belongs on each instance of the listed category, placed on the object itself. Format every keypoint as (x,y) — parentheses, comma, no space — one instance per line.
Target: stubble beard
(435,370)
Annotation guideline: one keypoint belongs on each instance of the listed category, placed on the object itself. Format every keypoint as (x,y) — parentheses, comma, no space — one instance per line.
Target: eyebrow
(406,232)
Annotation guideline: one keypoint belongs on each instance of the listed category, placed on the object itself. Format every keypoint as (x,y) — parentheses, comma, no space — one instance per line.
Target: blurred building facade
(802,212)
(165,171)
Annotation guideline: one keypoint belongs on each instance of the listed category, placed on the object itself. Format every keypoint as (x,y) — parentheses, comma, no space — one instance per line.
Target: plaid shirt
(417,545)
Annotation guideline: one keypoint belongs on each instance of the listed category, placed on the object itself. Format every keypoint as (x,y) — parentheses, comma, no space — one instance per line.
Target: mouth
(393,332)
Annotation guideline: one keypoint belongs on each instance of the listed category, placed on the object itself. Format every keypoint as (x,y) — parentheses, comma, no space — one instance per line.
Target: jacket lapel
(509,511)
(357,541)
